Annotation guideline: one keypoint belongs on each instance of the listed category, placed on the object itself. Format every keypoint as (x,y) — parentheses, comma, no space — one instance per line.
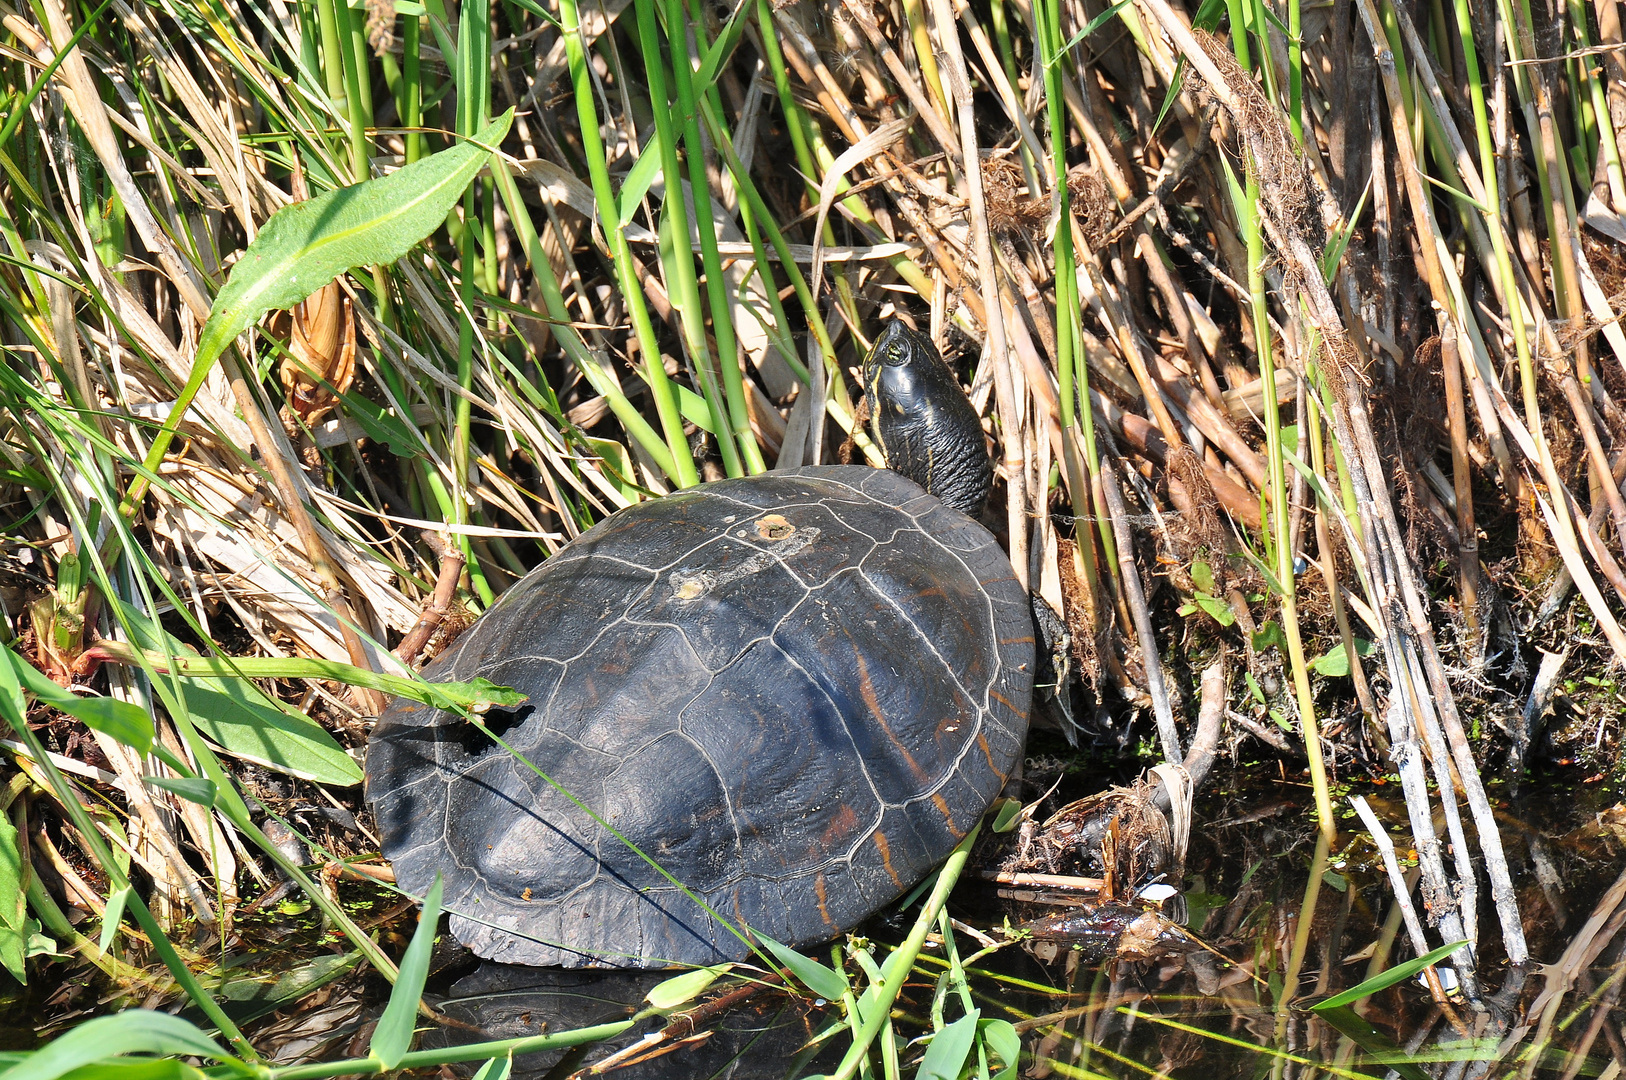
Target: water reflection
(765,1037)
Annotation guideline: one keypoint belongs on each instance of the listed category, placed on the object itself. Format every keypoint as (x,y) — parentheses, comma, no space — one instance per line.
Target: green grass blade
(1089,28)
(13,904)
(686,987)
(1396,974)
(392,1038)
(1377,1045)
(195,789)
(111,917)
(118,719)
(20,105)
(823,981)
(456,696)
(134,1031)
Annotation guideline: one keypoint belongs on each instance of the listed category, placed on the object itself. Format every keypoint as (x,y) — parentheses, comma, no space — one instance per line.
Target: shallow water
(1191,1014)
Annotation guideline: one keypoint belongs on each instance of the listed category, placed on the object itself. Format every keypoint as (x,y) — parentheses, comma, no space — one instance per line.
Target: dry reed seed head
(1427,354)
(1092,203)
(1010,209)
(381,26)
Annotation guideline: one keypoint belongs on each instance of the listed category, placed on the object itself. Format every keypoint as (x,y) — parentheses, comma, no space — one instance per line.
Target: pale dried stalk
(1135,597)
(175,870)
(1007,400)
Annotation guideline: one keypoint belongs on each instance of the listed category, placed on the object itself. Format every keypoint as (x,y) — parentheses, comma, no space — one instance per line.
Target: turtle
(759,707)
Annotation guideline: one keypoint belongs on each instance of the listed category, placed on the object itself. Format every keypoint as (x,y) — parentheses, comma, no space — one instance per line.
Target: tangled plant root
(1203,527)
(1281,169)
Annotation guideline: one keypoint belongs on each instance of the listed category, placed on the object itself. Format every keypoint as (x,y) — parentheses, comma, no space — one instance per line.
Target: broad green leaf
(259,732)
(304,246)
(148,633)
(1268,635)
(1335,662)
(38,943)
(196,789)
(695,410)
(828,984)
(681,988)
(1207,18)
(14,953)
(12,702)
(1253,687)
(392,1038)
(128,723)
(1202,576)
(133,1031)
(949,1049)
(1219,610)
(496,1068)
(121,720)
(1002,1038)
(1396,974)
(13,903)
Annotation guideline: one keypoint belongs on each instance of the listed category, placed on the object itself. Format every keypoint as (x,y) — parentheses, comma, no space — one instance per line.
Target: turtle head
(903,374)
(921,420)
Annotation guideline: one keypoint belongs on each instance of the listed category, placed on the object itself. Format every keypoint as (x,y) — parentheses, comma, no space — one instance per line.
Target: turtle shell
(794,692)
